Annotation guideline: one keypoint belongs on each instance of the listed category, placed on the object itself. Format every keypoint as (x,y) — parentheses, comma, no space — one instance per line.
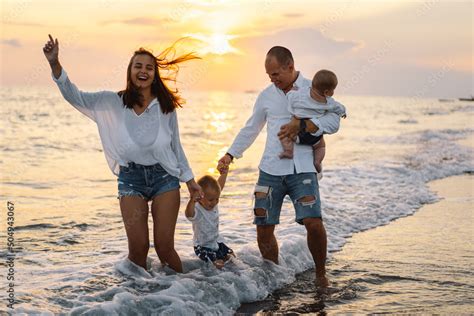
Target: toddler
(204,215)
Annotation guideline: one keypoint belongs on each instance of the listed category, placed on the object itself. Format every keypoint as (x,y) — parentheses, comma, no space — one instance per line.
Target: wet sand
(422,263)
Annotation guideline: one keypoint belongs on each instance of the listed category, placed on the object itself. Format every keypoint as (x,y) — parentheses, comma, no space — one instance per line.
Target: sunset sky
(400,48)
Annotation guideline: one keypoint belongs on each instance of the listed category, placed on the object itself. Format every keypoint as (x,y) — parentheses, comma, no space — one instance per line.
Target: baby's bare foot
(319,167)
(286,154)
(229,256)
(219,264)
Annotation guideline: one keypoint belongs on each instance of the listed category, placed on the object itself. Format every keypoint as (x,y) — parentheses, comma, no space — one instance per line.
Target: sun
(216,43)
(219,44)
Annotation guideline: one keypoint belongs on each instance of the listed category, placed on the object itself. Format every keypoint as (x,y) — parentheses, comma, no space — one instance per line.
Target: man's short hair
(282,55)
(208,182)
(324,80)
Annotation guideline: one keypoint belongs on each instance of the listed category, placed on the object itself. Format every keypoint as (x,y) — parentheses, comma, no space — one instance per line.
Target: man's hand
(223,169)
(290,130)
(223,163)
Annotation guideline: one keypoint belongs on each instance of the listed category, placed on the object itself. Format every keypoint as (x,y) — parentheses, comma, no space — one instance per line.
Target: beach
(71,247)
(178,85)
(417,264)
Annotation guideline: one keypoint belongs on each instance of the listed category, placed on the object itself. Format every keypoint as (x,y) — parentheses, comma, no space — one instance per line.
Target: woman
(138,128)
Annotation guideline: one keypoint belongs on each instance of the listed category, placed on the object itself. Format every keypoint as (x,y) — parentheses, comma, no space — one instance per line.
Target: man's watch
(231,157)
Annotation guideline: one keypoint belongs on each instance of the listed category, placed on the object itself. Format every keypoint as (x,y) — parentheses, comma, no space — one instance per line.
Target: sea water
(70,243)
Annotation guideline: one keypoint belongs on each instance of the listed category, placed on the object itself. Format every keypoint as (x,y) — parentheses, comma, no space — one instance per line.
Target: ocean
(70,246)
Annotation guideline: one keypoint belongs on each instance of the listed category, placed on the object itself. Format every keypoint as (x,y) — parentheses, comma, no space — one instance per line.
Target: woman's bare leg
(165,208)
(135,219)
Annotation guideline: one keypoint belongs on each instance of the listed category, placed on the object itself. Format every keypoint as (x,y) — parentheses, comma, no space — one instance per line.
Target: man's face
(280,75)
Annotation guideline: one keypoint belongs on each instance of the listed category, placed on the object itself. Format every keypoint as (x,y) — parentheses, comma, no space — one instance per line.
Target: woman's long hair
(169,99)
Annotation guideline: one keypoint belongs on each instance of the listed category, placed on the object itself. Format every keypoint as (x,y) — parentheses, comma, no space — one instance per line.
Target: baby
(315,101)
(204,215)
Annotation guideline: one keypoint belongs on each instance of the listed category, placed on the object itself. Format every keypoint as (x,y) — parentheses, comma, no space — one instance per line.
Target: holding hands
(223,169)
(223,164)
(195,191)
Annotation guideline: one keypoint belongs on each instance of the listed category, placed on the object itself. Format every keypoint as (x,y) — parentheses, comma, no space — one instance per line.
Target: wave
(35,226)
(69,225)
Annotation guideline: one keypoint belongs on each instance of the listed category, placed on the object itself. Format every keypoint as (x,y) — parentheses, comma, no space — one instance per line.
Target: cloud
(25,24)
(293,15)
(303,41)
(146,21)
(11,42)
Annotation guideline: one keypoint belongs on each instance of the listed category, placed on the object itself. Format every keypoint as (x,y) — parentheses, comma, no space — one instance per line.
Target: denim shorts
(297,186)
(145,181)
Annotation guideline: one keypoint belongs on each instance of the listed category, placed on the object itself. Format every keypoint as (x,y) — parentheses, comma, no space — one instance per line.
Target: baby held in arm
(313,102)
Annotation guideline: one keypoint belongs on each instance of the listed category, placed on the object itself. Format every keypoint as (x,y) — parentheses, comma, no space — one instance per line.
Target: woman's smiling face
(142,72)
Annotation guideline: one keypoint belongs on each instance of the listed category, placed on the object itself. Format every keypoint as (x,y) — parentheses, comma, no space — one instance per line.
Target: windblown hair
(282,55)
(324,80)
(208,182)
(168,98)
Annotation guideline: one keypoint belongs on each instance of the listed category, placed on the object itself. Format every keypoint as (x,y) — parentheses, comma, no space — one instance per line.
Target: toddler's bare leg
(219,263)
(319,153)
(287,145)
(229,256)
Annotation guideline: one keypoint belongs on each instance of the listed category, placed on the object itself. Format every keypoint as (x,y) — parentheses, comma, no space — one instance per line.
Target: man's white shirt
(271,108)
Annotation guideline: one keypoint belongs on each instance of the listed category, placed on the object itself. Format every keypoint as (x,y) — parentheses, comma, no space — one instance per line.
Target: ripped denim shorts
(145,181)
(275,188)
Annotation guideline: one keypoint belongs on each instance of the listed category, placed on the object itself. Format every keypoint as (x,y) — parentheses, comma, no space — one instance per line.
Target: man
(279,177)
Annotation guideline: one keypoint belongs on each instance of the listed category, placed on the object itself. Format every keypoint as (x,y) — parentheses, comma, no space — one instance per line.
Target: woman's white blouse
(147,139)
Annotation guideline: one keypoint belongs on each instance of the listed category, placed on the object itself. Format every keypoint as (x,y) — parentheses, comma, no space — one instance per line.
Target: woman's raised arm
(88,103)
(51,51)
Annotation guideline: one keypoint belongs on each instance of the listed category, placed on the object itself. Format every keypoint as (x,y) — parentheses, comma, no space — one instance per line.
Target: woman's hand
(195,190)
(51,50)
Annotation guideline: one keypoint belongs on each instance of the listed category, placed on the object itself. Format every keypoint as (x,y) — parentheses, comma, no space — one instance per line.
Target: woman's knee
(164,247)
(139,249)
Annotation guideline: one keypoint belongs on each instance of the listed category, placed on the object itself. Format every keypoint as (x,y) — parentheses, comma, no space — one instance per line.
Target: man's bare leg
(267,242)
(317,244)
